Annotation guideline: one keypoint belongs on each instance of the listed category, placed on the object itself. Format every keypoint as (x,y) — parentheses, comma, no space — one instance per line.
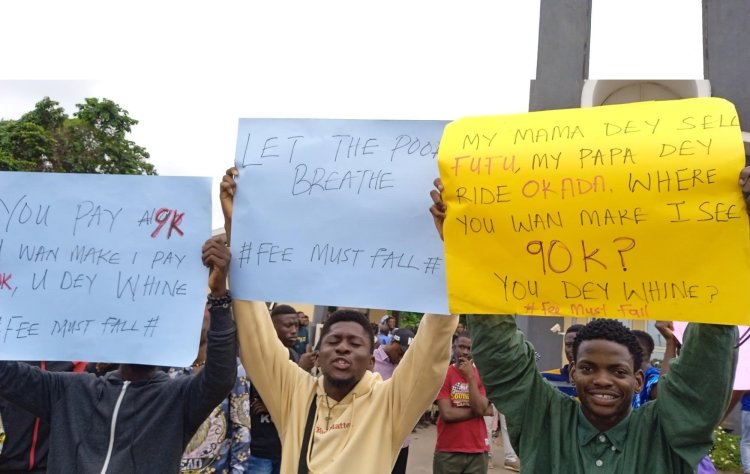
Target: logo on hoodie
(335,426)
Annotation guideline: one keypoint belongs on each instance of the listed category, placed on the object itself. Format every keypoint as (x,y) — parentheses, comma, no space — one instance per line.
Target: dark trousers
(400,466)
(465,463)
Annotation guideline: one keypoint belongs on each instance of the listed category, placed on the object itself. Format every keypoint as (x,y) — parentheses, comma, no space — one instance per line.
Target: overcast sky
(188,70)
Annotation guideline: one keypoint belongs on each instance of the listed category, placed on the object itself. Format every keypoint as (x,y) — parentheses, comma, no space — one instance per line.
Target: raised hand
(438,207)
(216,257)
(227,189)
(307,360)
(466,367)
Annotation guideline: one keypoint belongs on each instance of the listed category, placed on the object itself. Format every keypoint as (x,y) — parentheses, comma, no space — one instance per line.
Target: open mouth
(601,398)
(341,364)
(604,396)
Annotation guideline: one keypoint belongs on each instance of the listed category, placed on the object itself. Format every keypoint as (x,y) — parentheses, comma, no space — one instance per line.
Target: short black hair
(343,315)
(574,328)
(282,309)
(610,330)
(463,334)
(645,339)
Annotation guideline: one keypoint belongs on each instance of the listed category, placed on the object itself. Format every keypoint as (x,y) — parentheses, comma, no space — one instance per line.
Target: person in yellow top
(349,419)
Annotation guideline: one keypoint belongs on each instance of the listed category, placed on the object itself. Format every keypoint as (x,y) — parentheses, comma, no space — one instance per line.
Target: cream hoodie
(368,426)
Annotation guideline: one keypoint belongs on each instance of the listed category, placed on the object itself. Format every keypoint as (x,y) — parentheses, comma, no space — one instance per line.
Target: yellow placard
(627,211)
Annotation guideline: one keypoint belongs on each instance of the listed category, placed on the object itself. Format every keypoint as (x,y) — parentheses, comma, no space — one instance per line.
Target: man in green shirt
(555,433)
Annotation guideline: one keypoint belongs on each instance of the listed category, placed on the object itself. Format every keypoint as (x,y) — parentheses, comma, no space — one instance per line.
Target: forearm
(456,414)
(695,393)
(221,352)
(734,399)
(26,386)
(420,374)
(670,352)
(506,361)
(510,375)
(265,358)
(215,381)
(477,402)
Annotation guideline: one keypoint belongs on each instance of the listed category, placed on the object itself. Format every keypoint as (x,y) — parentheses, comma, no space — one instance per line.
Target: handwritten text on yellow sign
(627,211)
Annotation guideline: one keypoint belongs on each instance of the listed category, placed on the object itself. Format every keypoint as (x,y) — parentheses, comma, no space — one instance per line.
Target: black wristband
(222,302)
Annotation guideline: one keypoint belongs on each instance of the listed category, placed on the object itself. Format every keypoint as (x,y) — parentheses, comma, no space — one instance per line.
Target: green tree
(408,319)
(94,140)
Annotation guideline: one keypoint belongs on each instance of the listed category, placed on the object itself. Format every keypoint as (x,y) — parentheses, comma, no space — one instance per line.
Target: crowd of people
(259,398)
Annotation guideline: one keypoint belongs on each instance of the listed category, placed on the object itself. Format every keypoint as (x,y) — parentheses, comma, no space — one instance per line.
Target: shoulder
(746,401)
(453,373)
(555,375)
(379,354)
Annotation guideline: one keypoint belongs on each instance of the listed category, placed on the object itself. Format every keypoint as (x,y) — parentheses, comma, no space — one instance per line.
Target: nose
(342,348)
(602,378)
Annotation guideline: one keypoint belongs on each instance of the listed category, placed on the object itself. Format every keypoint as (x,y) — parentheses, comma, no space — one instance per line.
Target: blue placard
(102,268)
(335,212)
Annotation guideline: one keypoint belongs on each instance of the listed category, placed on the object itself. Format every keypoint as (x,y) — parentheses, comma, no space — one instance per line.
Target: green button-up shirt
(551,434)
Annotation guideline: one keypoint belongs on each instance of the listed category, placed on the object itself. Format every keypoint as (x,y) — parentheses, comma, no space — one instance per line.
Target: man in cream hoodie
(348,419)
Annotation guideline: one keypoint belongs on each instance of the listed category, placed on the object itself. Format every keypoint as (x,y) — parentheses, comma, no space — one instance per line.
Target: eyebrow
(345,336)
(629,365)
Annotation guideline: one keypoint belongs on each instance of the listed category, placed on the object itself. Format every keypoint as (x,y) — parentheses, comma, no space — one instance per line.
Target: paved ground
(423,445)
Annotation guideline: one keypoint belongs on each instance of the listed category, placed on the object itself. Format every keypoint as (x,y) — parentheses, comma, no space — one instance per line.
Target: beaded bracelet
(221,302)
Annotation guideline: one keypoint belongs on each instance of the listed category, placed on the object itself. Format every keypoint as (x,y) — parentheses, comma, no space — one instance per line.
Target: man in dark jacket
(134,419)
(27,443)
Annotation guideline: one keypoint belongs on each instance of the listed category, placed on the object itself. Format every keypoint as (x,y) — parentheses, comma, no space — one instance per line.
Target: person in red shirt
(462,443)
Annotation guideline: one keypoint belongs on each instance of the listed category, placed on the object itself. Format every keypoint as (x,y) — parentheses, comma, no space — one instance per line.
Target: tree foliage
(408,319)
(94,140)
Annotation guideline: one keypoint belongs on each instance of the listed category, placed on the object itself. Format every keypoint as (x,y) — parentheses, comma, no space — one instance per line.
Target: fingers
(258,407)
(437,212)
(228,185)
(665,328)
(306,356)
(745,185)
(437,194)
(745,179)
(217,242)
(437,199)
(438,183)
(438,207)
(216,253)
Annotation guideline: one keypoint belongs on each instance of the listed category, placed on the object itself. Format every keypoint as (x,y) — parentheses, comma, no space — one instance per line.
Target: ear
(572,372)
(371,365)
(639,380)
